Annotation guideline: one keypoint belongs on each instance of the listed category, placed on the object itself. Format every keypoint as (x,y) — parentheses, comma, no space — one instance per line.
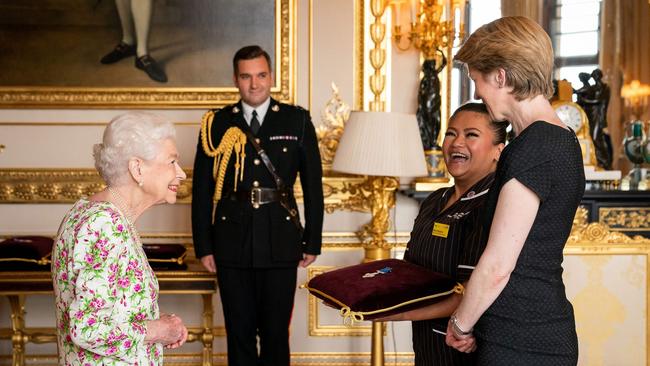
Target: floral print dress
(105,289)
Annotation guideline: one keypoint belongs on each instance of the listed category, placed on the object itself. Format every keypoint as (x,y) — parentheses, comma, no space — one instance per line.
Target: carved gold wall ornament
(330,130)
(625,218)
(49,185)
(596,233)
(377,54)
(59,185)
(359,54)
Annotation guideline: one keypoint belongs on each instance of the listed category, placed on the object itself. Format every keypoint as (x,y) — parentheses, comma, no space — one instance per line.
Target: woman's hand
(462,343)
(168,330)
(180,341)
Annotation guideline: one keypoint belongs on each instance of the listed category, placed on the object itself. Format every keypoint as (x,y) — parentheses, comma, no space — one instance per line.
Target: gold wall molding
(359,47)
(377,55)
(332,241)
(179,97)
(76,124)
(220,359)
(584,233)
(333,118)
(60,185)
(625,218)
(316,329)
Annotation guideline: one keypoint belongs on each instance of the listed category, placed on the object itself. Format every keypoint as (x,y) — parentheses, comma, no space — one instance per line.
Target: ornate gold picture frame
(196,58)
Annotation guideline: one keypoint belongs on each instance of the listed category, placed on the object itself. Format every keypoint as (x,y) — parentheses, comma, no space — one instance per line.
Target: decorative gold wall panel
(598,233)
(316,329)
(67,185)
(219,359)
(625,218)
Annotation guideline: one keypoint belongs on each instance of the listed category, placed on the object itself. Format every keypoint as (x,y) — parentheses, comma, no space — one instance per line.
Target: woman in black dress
(515,299)
(447,235)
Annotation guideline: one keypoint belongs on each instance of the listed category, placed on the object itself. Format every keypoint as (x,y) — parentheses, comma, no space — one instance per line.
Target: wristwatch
(457,329)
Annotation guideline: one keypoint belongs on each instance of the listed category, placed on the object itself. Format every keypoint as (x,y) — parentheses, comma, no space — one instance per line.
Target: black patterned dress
(450,242)
(532,322)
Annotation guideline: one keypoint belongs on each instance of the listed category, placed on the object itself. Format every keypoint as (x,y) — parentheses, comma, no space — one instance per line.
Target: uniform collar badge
(235,109)
(275,108)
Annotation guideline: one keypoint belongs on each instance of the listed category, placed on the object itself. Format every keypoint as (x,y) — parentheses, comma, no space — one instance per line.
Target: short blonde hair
(129,135)
(518,45)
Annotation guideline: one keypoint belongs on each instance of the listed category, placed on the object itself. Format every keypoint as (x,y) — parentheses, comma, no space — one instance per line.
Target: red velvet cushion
(402,286)
(26,253)
(166,256)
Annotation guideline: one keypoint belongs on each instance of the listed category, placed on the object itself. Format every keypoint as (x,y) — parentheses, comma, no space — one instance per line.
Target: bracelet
(457,329)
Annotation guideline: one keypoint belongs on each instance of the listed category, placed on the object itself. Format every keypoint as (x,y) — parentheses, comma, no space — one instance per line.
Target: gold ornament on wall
(377,55)
(625,218)
(596,233)
(333,118)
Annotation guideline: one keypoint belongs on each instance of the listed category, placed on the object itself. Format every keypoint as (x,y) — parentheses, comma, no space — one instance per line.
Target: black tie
(255,124)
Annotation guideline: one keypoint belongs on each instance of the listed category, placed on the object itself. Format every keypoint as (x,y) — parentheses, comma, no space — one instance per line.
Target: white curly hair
(129,135)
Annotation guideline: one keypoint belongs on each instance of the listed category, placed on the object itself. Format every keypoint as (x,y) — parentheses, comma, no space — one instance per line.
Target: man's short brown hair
(517,45)
(249,53)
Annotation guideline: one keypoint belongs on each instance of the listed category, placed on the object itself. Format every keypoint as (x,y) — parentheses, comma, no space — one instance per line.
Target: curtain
(528,8)
(624,56)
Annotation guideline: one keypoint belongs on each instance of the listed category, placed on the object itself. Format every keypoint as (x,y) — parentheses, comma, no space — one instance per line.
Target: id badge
(441,230)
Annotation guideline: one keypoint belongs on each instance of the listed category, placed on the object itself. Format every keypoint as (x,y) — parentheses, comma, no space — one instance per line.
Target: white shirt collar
(261,111)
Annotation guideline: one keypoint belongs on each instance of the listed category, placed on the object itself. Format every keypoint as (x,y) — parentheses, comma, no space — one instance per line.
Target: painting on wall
(137,53)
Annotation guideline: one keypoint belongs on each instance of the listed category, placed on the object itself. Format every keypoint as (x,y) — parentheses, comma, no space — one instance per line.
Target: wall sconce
(636,96)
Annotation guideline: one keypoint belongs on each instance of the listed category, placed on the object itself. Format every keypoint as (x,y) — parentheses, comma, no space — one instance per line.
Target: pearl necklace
(121,204)
(126,211)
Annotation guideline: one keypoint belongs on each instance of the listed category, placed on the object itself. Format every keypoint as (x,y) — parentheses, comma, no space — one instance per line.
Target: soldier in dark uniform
(245,221)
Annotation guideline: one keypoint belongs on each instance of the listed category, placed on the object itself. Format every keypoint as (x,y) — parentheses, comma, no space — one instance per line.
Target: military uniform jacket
(240,235)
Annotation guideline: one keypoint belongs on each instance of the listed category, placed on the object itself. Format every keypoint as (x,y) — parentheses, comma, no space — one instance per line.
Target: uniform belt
(257,196)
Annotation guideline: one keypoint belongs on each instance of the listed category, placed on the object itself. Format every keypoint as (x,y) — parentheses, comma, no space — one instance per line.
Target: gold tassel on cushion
(233,139)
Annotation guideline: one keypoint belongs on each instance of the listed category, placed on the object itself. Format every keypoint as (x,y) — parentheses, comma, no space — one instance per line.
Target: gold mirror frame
(141,97)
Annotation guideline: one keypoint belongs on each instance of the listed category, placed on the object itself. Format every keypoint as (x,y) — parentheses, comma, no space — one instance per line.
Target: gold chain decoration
(233,139)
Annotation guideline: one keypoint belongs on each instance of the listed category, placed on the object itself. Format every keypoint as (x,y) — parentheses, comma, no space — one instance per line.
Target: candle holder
(435,26)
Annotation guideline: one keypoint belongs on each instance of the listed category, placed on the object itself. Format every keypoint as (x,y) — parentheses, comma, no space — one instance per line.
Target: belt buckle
(256,197)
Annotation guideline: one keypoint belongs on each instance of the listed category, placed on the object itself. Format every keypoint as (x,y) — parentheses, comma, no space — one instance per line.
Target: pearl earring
(140,183)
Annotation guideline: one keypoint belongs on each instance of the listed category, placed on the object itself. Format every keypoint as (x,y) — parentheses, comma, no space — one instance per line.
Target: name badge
(441,230)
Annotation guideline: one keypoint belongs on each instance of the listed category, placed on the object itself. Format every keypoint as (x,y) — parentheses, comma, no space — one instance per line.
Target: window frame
(550,19)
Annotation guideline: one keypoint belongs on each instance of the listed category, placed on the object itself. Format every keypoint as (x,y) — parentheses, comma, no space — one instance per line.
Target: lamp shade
(381,144)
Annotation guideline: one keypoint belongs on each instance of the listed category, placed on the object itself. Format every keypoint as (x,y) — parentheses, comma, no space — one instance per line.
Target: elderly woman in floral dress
(106,293)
